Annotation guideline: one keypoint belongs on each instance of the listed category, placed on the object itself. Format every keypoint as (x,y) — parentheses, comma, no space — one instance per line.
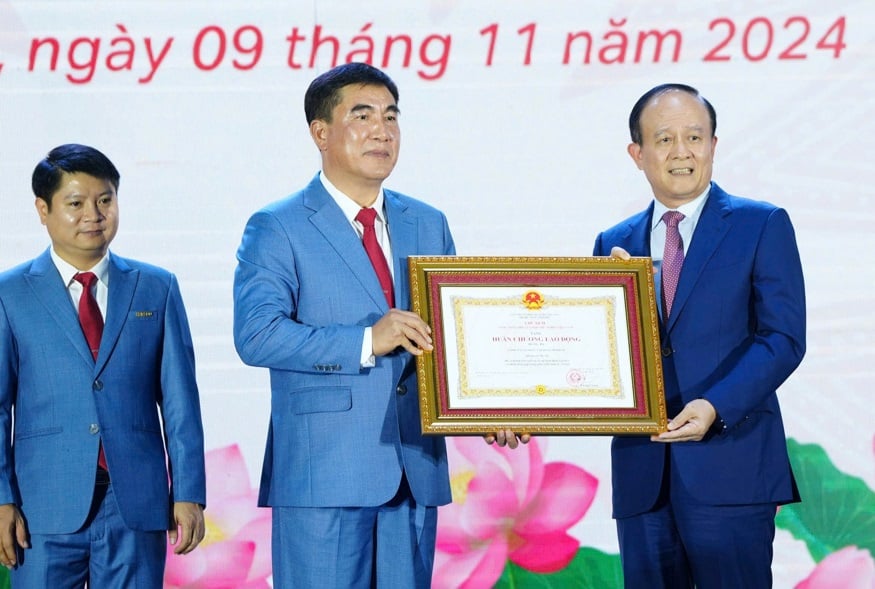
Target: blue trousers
(388,546)
(105,553)
(683,543)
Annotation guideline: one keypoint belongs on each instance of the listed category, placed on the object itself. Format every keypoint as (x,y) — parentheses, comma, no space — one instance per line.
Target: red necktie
(375,252)
(92,326)
(672,259)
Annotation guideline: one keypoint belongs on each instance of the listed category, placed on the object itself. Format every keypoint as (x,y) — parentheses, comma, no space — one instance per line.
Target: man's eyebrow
(360,107)
(691,127)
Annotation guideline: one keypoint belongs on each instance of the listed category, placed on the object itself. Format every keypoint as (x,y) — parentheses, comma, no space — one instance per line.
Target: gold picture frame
(538,345)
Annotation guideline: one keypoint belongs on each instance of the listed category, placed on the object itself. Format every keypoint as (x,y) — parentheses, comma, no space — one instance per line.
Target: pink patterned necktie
(672,259)
(91,321)
(375,253)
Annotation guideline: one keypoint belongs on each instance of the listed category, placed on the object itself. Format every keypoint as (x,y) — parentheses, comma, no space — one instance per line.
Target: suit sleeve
(778,342)
(266,291)
(598,249)
(180,404)
(8,388)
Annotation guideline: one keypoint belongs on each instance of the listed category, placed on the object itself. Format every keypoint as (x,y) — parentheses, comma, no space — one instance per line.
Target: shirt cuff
(367,357)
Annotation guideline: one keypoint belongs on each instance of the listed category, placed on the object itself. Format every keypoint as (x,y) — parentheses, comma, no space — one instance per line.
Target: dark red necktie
(89,312)
(375,253)
(672,260)
(91,321)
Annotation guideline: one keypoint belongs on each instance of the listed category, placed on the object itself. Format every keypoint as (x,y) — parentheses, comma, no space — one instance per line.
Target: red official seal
(574,377)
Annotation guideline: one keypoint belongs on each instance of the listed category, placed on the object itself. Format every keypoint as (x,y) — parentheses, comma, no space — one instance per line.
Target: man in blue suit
(94,425)
(353,483)
(695,505)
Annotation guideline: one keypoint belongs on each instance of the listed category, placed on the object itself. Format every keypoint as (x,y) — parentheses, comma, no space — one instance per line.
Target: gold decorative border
(428,273)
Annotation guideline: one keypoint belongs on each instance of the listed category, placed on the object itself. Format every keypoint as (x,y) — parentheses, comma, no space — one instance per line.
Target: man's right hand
(13,535)
(401,328)
(620,254)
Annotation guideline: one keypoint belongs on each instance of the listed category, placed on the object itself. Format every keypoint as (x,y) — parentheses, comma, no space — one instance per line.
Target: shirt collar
(349,207)
(690,209)
(67,271)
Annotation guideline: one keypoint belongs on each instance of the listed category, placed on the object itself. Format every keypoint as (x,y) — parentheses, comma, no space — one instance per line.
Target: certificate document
(538,345)
(517,346)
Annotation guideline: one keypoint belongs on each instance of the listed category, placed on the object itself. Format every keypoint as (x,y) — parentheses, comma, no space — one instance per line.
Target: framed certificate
(538,345)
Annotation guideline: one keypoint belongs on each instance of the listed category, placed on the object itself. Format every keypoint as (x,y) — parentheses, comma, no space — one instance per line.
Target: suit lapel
(636,240)
(51,292)
(122,285)
(402,232)
(710,230)
(330,221)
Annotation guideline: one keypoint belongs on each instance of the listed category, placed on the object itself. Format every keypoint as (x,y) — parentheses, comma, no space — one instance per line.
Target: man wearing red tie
(321,299)
(97,395)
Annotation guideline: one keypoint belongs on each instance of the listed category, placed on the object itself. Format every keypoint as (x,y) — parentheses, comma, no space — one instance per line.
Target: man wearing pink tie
(695,505)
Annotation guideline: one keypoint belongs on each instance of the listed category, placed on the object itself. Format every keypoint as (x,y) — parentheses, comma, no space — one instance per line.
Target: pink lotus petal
(236,552)
(489,569)
(491,503)
(545,554)
(258,532)
(528,470)
(523,466)
(229,564)
(480,567)
(228,475)
(565,485)
(453,569)
(225,564)
(507,500)
(457,459)
(848,568)
(452,536)
(180,571)
(233,513)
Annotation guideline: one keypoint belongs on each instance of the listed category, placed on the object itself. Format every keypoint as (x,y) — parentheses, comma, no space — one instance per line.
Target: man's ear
(319,133)
(42,209)
(634,151)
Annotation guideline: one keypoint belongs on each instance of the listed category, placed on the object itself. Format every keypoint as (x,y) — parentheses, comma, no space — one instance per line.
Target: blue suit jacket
(304,291)
(736,332)
(61,398)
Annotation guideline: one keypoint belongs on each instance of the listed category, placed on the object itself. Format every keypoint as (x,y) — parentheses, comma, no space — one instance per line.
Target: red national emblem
(533,300)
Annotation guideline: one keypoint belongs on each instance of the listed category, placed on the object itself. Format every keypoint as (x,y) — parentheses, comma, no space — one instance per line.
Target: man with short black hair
(96,375)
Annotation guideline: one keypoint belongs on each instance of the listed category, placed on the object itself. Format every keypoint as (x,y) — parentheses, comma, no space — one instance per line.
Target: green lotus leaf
(590,569)
(837,509)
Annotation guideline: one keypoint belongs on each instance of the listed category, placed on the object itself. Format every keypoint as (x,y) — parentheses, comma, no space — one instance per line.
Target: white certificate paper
(531,347)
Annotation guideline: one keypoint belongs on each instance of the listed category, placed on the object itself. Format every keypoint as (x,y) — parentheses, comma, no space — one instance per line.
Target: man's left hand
(188,528)
(691,424)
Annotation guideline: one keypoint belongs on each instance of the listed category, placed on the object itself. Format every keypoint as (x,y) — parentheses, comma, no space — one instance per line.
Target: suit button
(667,351)
(94,429)
(401,389)
(97,385)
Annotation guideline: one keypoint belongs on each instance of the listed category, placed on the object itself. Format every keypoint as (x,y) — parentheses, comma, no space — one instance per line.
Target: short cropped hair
(324,92)
(70,158)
